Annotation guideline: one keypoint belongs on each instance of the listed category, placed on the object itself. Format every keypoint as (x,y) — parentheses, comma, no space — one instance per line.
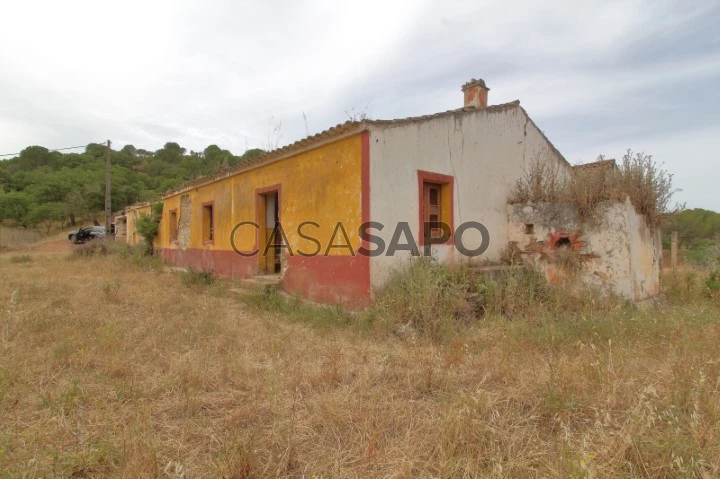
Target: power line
(54,149)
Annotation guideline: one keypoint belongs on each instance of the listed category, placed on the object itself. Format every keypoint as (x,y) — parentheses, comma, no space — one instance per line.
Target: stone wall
(183,239)
(121,228)
(615,249)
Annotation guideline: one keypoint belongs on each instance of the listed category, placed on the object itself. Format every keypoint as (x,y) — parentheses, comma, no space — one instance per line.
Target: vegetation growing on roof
(585,187)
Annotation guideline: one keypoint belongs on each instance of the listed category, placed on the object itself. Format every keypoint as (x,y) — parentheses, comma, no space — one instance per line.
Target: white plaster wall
(630,251)
(645,255)
(486,151)
(610,241)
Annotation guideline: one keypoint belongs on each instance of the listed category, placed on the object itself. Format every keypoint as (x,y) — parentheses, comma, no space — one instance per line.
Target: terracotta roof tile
(333,132)
(596,164)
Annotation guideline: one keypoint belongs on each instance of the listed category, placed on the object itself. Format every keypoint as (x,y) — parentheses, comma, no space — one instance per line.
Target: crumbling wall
(121,228)
(184,222)
(615,249)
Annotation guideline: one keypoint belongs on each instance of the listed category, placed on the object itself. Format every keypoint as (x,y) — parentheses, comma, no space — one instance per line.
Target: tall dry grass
(113,370)
(439,301)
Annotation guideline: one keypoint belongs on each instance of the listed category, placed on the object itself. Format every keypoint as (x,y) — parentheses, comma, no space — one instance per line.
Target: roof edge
(331,135)
(542,133)
(325,137)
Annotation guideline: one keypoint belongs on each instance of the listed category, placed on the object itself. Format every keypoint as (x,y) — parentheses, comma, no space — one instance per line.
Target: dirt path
(57,246)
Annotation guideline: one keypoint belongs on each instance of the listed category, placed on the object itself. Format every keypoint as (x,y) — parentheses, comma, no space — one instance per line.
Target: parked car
(86,234)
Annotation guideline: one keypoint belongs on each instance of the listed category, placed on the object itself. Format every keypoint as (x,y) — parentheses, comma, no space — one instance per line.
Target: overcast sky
(597,77)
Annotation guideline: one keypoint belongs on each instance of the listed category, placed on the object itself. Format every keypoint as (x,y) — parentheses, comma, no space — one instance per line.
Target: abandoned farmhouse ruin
(407,177)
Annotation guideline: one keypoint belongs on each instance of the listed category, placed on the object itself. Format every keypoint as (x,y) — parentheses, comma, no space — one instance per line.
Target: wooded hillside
(40,186)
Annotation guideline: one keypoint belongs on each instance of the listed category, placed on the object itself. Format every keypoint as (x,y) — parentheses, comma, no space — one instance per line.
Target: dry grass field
(115,368)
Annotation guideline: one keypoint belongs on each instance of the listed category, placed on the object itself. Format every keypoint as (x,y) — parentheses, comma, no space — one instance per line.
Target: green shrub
(713,281)
(193,277)
(295,309)
(424,295)
(148,225)
(23,258)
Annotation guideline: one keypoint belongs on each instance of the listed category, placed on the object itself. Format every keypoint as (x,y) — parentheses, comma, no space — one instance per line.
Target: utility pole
(108,212)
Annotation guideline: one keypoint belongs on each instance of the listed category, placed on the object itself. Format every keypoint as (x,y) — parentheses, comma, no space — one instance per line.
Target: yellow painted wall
(321,185)
(133,238)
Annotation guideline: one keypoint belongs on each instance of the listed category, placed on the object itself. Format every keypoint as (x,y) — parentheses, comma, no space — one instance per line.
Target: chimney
(476,93)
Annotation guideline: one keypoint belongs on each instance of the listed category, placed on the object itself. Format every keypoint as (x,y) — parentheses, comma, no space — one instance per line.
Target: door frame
(260,220)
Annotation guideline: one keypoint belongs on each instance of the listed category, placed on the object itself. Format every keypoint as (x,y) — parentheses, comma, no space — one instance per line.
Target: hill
(41,186)
(698,234)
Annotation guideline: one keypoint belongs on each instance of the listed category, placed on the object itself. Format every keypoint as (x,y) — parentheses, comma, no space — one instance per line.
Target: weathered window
(433,210)
(173,226)
(436,212)
(208,229)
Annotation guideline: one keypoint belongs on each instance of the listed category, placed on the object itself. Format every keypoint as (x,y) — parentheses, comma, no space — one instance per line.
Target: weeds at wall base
(135,255)
(440,301)
(197,278)
(295,309)
(425,299)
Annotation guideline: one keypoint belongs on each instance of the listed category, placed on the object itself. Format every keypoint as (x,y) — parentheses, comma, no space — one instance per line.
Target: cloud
(593,76)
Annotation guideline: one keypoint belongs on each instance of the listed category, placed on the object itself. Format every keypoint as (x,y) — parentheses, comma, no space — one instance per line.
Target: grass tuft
(193,277)
(19,259)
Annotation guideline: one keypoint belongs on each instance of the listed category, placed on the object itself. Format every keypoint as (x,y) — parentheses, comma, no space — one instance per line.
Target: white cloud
(147,72)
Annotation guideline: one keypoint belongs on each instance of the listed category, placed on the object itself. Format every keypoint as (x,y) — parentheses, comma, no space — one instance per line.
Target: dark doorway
(270,240)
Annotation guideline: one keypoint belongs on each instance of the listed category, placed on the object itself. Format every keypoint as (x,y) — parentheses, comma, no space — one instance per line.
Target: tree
(129,150)
(77,180)
(75,206)
(694,226)
(170,153)
(248,155)
(46,213)
(95,150)
(34,156)
(15,206)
